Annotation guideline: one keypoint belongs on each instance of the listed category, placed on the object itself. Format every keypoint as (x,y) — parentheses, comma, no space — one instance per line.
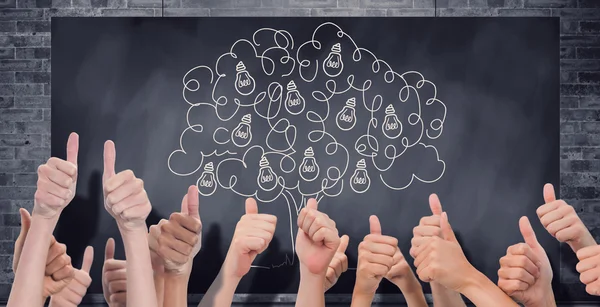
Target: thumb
(435,204)
(251,206)
(549,195)
(447,232)
(312,204)
(110,156)
(527,232)
(88,259)
(343,244)
(109,250)
(193,202)
(374,225)
(73,148)
(25,222)
(184,204)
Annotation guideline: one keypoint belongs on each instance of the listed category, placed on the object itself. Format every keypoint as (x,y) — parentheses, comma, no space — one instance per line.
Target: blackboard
(476,100)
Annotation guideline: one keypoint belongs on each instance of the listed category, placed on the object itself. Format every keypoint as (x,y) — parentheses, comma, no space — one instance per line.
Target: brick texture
(25,81)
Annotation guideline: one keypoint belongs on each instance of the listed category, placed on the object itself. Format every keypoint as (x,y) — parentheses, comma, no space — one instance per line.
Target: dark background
(120,79)
(25,85)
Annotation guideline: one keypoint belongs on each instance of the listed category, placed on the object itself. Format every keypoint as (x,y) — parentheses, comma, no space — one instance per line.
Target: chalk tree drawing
(265,111)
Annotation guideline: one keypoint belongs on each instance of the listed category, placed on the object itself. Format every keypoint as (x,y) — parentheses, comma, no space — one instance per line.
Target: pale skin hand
(403,277)
(429,226)
(177,242)
(127,201)
(72,295)
(338,265)
(442,260)
(375,259)
(56,188)
(114,277)
(589,268)
(59,272)
(316,244)
(252,236)
(562,222)
(525,273)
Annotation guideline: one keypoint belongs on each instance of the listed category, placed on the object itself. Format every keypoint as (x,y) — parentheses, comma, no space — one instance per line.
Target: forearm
(360,299)
(483,292)
(29,278)
(310,292)
(548,299)
(159,285)
(444,297)
(176,286)
(221,291)
(140,282)
(413,292)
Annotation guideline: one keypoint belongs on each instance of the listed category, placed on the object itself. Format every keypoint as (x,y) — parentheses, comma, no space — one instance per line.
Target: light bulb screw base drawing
(351,102)
(361,164)
(337,48)
(390,110)
(263,162)
(240,66)
(291,86)
(309,152)
(208,167)
(247,119)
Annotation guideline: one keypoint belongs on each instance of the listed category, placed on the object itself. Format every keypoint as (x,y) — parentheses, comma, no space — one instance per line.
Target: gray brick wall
(25,81)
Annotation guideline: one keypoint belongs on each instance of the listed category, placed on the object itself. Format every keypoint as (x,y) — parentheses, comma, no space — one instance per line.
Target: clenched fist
(317,239)
(589,268)
(401,273)
(114,277)
(525,273)
(72,295)
(56,182)
(124,195)
(562,222)
(252,236)
(178,240)
(59,271)
(375,258)
(338,265)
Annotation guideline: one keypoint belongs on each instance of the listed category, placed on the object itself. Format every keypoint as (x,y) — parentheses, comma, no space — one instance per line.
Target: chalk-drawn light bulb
(346,118)
(244,83)
(392,127)
(242,134)
(267,180)
(309,169)
(294,102)
(333,64)
(207,184)
(360,180)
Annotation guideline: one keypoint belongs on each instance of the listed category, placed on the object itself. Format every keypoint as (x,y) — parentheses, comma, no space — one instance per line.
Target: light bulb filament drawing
(244,82)
(206,183)
(346,118)
(391,127)
(309,169)
(267,180)
(294,102)
(360,181)
(333,64)
(242,134)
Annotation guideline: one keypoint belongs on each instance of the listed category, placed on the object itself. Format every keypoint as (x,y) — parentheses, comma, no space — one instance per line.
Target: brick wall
(25,81)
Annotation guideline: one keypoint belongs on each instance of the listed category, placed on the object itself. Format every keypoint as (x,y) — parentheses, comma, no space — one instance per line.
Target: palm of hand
(538,291)
(315,256)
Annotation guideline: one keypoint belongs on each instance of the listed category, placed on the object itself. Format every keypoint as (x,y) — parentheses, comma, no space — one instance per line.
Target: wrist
(136,232)
(307,276)
(408,285)
(472,281)
(361,298)
(45,222)
(585,241)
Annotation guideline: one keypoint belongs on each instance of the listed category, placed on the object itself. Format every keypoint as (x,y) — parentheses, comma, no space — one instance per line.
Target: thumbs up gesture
(178,240)
(589,268)
(252,236)
(525,273)
(562,222)
(124,195)
(72,295)
(56,182)
(317,239)
(338,265)
(114,277)
(375,258)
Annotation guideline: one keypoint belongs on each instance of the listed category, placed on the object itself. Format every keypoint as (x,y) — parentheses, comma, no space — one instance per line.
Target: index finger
(110,156)
(72,148)
(88,259)
(435,205)
(522,249)
(343,244)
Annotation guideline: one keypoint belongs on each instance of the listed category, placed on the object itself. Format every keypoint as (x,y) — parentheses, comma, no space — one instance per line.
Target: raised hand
(114,277)
(56,182)
(59,271)
(589,268)
(525,273)
(252,236)
(562,222)
(338,265)
(401,273)
(124,195)
(72,295)
(178,240)
(317,239)
(375,258)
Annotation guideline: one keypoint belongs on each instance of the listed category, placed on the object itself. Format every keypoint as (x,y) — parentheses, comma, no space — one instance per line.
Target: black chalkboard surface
(369,115)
